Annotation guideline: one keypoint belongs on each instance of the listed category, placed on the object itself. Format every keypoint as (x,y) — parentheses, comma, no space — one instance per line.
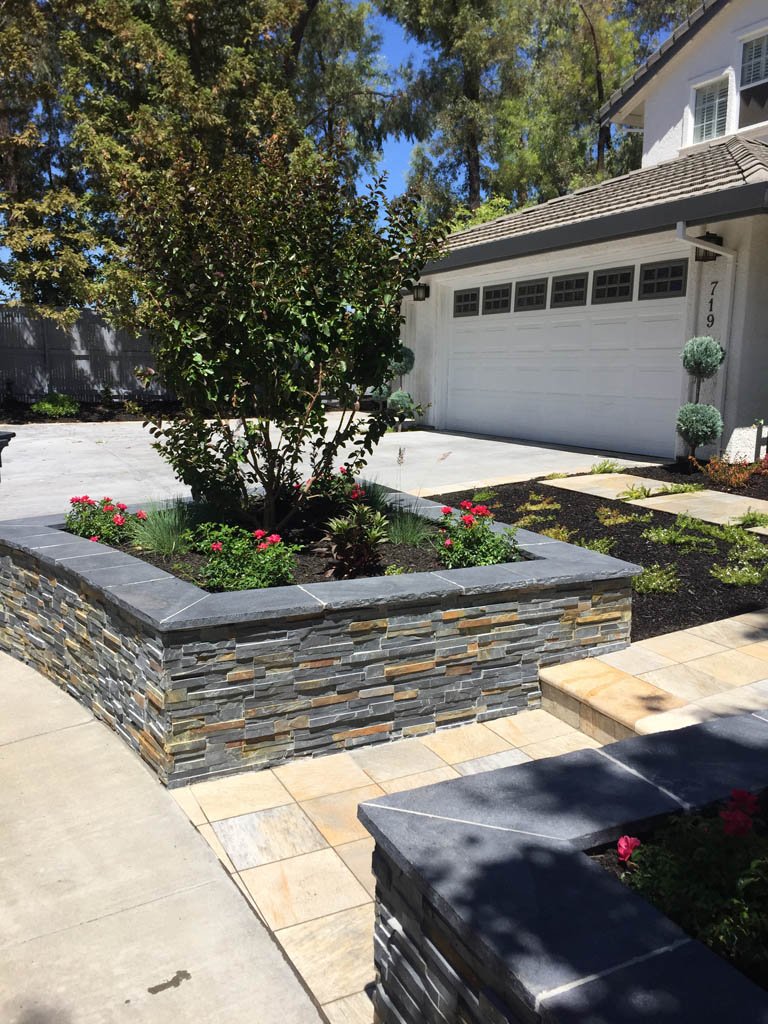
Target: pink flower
(468,520)
(109,508)
(446,510)
(465,504)
(447,543)
(274,538)
(258,534)
(121,506)
(744,801)
(105,498)
(118,520)
(735,823)
(343,470)
(263,546)
(141,514)
(626,846)
(216,545)
(94,538)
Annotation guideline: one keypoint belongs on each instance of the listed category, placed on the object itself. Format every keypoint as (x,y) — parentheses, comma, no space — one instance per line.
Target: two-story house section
(564,322)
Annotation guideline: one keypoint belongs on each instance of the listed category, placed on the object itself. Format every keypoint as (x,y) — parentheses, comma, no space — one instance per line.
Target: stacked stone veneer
(205,684)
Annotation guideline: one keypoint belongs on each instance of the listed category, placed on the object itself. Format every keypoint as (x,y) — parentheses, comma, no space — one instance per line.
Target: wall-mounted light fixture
(420,292)
(707,255)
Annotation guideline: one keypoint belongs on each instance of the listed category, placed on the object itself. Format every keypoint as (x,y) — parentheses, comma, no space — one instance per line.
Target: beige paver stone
(464,743)
(686,682)
(336,815)
(395,760)
(680,718)
(633,698)
(186,801)
(733,667)
(357,856)
(636,660)
(758,650)
(560,745)
(239,794)
(603,485)
(584,678)
(528,727)
(303,888)
(420,779)
(752,697)
(735,632)
(682,645)
(489,763)
(268,835)
(334,954)
(206,831)
(321,776)
(356,1009)
(711,506)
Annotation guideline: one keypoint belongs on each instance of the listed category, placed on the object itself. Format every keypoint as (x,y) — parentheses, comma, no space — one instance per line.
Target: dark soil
(701,598)
(679,472)
(15,413)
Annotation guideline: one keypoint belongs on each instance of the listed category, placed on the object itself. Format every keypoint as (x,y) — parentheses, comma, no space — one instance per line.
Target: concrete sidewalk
(47,463)
(112,908)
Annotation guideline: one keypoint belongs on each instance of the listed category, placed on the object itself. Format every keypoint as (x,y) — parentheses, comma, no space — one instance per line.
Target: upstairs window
(753,99)
(466,302)
(497,298)
(711,111)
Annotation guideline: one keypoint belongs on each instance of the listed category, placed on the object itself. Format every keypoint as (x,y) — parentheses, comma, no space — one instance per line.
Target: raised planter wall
(207,684)
(488,911)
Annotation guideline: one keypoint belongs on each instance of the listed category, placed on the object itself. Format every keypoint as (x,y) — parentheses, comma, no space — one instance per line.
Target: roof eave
(713,206)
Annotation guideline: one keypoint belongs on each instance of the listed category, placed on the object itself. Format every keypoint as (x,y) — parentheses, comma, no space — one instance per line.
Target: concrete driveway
(47,463)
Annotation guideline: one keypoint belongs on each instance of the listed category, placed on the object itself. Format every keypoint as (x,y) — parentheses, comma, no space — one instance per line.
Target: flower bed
(203,684)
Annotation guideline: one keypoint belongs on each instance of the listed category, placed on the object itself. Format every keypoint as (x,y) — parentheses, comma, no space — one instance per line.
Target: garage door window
(497,298)
(663,280)
(616,285)
(466,302)
(531,295)
(569,290)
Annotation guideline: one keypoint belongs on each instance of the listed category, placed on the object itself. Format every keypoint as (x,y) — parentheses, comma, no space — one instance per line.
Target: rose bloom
(122,506)
(262,547)
(481,510)
(274,538)
(141,514)
(744,801)
(465,504)
(109,508)
(736,823)
(468,520)
(216,545)
(448,543)
(626,846)
(118,520)
(105,498)
(258,534)
(446,510)
(342,470)
(95,538)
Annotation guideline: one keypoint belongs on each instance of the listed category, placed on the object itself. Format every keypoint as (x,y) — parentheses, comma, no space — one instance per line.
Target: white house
(564,322)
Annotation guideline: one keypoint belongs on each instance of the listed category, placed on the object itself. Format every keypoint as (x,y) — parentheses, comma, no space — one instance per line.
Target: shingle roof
(720,166)
(683,34)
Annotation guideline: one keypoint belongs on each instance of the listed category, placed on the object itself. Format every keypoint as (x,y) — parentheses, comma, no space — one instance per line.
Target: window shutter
(711,111)
(754,61)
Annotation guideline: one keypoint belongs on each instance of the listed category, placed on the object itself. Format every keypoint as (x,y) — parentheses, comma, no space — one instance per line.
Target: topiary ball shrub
(702,357)
(699,425)
(401,403)
(399,367)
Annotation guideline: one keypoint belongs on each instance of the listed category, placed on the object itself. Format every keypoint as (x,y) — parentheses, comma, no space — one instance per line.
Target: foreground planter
(207,684)
(489,912)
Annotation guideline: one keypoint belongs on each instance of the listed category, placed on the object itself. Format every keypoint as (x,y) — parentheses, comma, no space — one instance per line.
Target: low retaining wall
(206,684)
(489,912)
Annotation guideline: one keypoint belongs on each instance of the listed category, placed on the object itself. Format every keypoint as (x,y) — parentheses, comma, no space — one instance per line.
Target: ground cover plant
(56,406)
(695,572)
(708,872)
(718,474)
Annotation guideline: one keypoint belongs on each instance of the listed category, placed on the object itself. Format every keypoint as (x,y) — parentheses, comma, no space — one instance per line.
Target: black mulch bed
(17,413)
(678,472)
(701,598)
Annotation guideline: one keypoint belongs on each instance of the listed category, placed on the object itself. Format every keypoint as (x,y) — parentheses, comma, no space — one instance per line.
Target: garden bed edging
(203,685)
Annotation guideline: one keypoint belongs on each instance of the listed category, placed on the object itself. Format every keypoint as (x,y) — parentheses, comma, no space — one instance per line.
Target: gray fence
(37,357)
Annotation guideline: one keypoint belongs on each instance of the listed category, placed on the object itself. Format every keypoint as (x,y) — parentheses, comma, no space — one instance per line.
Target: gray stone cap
(168,604)
(499,857)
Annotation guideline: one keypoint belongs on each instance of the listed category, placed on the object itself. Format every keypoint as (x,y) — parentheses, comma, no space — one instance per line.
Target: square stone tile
(634,698)
(357,856)
(735,632)
(603,485)
(265,836)
(334,955)
(420,779)
(680,718)
(356,1009)
(186,801)
(560,745)
(336,815)
(206,831)
(320,776)
(732,667)
(752,697)
(239,794)
(711,506)
(685,682)
(464,743)
(489,763)
(288,892)
(683,645)
(584,678)
(387,761)
(758,650)
(636,660)
(528,727)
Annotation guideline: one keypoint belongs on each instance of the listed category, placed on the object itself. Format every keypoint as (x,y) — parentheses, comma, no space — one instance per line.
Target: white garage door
(596,376)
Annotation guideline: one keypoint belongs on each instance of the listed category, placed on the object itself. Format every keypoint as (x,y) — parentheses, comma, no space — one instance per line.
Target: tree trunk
(604,131)
(297,37)
(472,142)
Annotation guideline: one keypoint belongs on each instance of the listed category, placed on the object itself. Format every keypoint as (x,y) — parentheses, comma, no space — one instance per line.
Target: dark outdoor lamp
(420,292)
(706,255)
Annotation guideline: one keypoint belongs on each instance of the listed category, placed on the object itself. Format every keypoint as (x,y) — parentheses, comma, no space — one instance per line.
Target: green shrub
(539,503)
(680,489)
(164,531)
(240,560)
(702,358)
(558,532)
(698,425)
(740,574)
(604,545)
(606,466)
(636,492)
(394,570)
(56,406)
(105,521)
(376,495)
(657,579)
(403,406)
(753,518)
(484,494)
(466,538)
(685,533)
(355,540)
(402,363)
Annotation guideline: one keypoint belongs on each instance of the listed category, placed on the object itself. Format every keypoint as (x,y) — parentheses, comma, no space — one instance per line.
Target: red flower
(343,470)
(216,546)
(481,510)
(105,498)
(118,520)
(75,501)
(122,506)
(626,846)
(95,538)
(744,801)
(274,538)
(262,547)
(468,520)
(465,504)
(109,508)
(141,514)
(735,823)
(446,510)
(258,534)
(448,543)
(356,493)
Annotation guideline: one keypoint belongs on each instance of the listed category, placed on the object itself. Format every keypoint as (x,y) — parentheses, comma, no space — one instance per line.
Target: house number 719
(711,313)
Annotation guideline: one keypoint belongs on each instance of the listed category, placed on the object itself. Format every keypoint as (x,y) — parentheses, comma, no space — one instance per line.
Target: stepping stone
(604,485)
(711,506)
